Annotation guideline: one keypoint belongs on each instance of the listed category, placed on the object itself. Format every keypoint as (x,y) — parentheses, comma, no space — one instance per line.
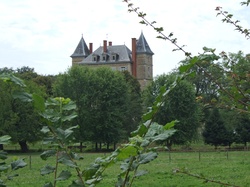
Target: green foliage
(215,132)
(179,104)
(134,103)
(19,117)
(103,102)
(5,168)
(236,67)
(242,129)
(57,112)
(139,150)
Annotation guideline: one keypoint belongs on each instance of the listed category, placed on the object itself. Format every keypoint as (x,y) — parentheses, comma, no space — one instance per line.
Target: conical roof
(142,46)
(81,50)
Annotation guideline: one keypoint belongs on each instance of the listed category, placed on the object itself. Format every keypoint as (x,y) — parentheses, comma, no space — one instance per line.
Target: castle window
(105,57)
(95,58)
(123,68)
(114,57)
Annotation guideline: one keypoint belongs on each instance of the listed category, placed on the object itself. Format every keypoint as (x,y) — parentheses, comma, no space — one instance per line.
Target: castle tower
(81,52)
(144,62)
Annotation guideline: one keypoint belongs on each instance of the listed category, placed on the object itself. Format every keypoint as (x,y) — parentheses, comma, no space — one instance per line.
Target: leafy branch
(138,150)
(56,113)
(203,178)
(208,55)
(160,30)
(228,19)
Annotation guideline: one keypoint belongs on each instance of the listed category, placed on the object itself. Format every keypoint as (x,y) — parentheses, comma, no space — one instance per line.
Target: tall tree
(215,132)
(242,130)
(237,70)
(101,97)
(19,119)
(180,104)
(134,103)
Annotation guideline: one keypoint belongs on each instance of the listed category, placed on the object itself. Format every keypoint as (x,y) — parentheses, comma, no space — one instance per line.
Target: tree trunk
(169,144)
(100,146)
(23,146)
(107,146)
(96,146)
(81,147)
(114,146)
(1,146)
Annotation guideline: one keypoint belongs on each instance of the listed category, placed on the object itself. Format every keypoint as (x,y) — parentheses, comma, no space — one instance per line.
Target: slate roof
(142,46)
(121,52)
(81,50)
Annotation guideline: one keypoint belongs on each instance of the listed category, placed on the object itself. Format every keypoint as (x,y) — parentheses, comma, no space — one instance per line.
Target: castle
(138,61)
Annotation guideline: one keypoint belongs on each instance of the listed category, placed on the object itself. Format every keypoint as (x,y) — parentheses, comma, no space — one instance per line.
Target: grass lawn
(227,167)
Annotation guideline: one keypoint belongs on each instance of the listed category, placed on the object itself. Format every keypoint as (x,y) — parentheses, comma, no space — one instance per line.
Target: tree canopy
(104,99)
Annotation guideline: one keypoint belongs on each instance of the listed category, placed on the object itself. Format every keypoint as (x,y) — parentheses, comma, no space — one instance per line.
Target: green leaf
(69,131)
(126,152)
(12,78)
(89,172)
(69,106)
(66,161)
(23,96)
(47,154)
(140,131)
(147,157)
(4,168)
(5,139)
(18,164)
(45,129)
(164,136)
(10,177)
(187,67)
(140,173)
(170,124)
(48,140)
(3,155)
(75,156)
(69,117)
(147,116)
(94,181)
(39,102)
(64,175)
(2,183)
(47,170)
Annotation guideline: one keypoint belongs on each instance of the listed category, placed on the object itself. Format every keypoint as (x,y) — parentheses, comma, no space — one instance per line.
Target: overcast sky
(43,34)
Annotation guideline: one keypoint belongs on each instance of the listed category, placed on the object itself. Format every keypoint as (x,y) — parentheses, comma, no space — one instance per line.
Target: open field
(228,167)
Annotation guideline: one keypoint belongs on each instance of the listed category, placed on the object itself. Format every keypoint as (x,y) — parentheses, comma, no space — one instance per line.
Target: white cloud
(43,34)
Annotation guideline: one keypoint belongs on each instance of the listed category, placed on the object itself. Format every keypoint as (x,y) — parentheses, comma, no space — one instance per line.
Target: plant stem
(128,170)
(203,178)
(55,174)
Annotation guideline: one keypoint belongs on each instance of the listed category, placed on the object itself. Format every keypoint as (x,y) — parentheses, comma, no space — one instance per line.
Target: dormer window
(105,57)
(95,57)
(114,57)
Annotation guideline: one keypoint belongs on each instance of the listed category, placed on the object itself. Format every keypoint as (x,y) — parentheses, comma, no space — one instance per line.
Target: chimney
(110,43)
(90,47)
(134,64)
(105,46)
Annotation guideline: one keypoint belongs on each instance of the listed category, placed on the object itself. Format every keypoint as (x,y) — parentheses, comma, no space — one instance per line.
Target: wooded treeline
(110,103)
